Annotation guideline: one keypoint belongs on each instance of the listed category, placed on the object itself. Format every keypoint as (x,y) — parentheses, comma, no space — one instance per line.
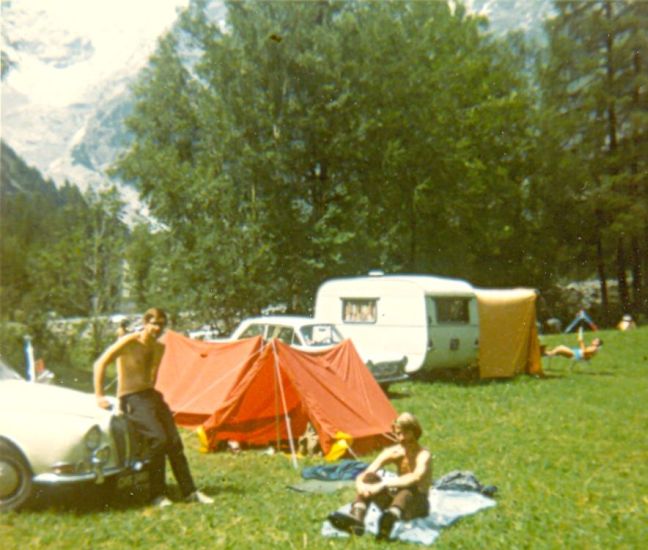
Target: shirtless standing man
(403,497)
(138,357)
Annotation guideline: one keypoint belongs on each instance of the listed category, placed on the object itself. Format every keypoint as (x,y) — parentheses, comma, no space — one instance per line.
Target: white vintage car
(53,435)
(309,334)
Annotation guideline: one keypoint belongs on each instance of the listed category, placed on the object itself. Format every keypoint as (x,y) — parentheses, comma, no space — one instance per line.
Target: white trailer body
(433,321)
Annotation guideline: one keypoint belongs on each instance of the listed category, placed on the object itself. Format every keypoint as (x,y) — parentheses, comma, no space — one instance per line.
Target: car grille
(119,433)
(384,369)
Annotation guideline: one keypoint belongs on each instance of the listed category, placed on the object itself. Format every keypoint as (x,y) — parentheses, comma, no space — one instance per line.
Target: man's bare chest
(139,357)
(406,462)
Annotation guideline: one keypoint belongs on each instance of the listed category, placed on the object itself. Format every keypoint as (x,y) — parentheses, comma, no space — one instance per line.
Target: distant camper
(433,321)
(626,323)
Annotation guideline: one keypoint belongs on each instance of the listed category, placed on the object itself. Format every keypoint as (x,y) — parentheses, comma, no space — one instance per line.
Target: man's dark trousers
(152,419)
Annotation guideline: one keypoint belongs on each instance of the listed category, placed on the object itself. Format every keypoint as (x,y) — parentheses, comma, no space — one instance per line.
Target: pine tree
(594,110)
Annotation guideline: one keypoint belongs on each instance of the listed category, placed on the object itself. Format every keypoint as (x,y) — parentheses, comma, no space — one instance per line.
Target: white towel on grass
(446,507)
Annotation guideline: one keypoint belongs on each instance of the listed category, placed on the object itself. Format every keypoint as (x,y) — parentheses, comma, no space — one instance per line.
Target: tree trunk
(413,230)
(624,297)
(600,268)
(638,286)
(611,108)
(612,145)
(644,304)
(637,277)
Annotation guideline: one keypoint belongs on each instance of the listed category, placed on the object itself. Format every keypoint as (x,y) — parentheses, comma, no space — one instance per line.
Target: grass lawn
(568,452)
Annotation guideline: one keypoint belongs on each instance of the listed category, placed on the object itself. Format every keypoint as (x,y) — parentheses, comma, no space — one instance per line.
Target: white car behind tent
(309,334)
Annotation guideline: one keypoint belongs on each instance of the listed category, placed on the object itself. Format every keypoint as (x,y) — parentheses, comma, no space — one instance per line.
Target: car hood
(18,395)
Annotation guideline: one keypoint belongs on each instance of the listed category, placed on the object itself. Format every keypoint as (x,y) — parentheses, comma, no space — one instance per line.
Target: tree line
(305,140)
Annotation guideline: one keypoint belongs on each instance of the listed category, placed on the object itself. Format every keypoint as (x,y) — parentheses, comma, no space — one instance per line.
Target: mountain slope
(67,91)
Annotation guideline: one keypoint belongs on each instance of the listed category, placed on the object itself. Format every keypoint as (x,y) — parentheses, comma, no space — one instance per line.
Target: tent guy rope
(291,442)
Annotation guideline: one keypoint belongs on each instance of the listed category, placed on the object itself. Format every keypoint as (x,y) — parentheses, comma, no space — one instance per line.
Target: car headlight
(93,438)
(102,455)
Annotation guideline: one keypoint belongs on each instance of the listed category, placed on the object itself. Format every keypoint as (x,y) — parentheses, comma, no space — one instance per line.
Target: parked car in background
(309,334)
(206,332)
(50,435)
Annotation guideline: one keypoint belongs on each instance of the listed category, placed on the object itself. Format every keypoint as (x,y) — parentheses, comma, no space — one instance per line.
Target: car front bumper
(97,476)
(392,379)
(389,372)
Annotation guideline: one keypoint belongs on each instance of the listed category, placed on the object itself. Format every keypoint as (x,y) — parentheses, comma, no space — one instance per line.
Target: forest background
(308,140)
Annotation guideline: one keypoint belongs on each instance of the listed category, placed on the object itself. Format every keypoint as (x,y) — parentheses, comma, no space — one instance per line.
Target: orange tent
(255,394)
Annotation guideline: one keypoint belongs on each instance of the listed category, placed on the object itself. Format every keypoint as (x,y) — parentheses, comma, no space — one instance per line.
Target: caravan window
(356,310)
(452,310)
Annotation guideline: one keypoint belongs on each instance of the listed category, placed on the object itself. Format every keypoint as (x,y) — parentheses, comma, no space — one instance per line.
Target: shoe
(347,523)
(385,524)
(199,497)
(161,502)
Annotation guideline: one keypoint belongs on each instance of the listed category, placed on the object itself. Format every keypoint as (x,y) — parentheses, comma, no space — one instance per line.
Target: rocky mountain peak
(67,92)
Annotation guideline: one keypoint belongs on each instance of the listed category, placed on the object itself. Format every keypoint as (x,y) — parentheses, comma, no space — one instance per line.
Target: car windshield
(7,373)
(320,335)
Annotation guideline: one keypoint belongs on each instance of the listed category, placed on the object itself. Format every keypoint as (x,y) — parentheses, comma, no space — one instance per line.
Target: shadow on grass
(84,499)
(592,373)
(457,376)
(552,375)
(566,370)
(391,394)
(91,498)
(470,377)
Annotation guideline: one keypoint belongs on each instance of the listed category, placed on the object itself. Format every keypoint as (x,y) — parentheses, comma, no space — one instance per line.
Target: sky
(118,33)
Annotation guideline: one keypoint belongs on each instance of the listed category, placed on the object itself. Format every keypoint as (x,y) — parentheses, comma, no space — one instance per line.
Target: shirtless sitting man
(404,497)
(138,356)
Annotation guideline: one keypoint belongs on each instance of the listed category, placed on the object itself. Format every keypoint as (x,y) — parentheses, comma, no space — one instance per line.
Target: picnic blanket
(344,470)
(446,507)
(453,496)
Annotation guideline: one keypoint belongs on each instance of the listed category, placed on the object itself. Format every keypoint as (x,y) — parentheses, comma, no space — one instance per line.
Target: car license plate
(131,480)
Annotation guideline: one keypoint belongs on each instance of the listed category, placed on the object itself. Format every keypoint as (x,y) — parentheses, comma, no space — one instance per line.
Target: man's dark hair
(154,313)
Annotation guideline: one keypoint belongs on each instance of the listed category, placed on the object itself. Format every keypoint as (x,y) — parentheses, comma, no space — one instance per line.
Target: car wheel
(15,478)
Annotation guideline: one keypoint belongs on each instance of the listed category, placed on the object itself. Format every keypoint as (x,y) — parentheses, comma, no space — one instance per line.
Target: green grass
(569,454)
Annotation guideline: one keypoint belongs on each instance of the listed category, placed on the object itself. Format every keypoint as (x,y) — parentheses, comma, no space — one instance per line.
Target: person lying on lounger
(581,353)
(402,497)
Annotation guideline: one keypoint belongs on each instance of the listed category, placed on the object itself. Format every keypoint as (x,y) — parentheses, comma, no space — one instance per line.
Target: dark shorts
(410,501)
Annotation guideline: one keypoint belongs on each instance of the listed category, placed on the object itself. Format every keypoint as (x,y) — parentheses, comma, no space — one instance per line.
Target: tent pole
(293,453)
(277,411)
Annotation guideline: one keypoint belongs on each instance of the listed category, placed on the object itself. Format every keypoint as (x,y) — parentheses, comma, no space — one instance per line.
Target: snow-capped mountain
(67,88)
(505,15)
(66,94)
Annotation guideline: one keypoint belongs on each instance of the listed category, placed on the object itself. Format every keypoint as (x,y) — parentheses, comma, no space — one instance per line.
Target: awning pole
(293,453)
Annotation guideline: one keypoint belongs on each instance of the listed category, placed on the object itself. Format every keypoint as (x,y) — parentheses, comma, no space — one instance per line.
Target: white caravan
(433,321)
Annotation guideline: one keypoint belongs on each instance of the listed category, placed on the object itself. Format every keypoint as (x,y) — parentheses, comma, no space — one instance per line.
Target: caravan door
(453,331)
